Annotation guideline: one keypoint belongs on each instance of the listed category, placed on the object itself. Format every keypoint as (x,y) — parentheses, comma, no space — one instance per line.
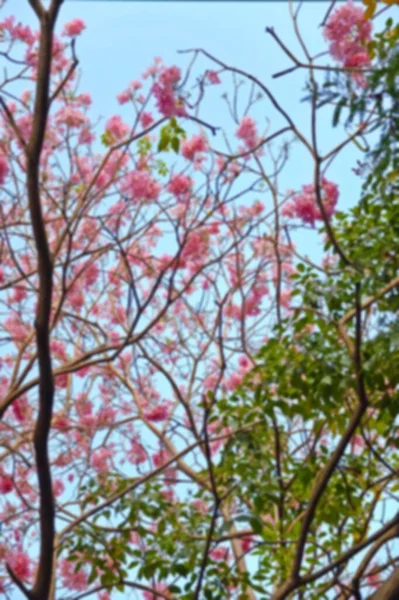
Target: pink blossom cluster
(74,28)
(59,62)
(236,378)
(247,543)
(195,250)
(192,147)
(373,576)
(117,161)
(158,413)
(6,483)
(21,564)
(16,327)
(72,579)
(160,457)
(220,553)
(213,77)
(88,273)
(180,186)
(247,132)
(162,588)
(20,32)
(304,205)
(164,91)
(136,453)
(251,307)
(141,186)
(146,119)
(58,349)
(348,32)
(128,93)
(70,116)
(100,460)
(117,128)
(21,409)
(3,169)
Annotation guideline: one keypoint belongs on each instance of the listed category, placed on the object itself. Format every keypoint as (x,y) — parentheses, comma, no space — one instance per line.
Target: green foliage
(107,139)
(144,146)
(171,135)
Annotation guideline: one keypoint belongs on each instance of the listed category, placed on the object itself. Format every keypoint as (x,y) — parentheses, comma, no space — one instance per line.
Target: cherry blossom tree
(191,407)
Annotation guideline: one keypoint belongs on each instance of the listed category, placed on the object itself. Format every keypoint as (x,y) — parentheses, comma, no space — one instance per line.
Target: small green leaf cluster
(171,136)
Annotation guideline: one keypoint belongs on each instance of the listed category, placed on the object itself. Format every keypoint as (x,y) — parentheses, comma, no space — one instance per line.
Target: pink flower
(6,484)
(358,60)
(61,422)
(72,117)
(219,554)
(141,186)
(210,382)
(20,408)
(20,564)
(164,92)
(24,34)
(25,126)
(117,128)
(106,415)
(75,299)
(285,298)
(169,75)
(158,413)
(269,519)
(16,328)
(74,27)
(357,443)
(3,169)
(62,380)
(194,251)
(201,506)
(89,275)
(100,460)
(70,579)
(58,487)
(136,454)
(247,132)
(304,205)
(191,147)
(373,577)
(348,31)
(180,185)
(124,96)
(257,208)
(233,381)
(18,32)
(245,363)
(159,587)
(166,102)
(86,136)
(213,77)
(84,99)
(246,543)
(146,119)
(161,457)
(58,349)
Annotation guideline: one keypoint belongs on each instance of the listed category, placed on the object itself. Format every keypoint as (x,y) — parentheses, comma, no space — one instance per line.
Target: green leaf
(175,143)
(163,142)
